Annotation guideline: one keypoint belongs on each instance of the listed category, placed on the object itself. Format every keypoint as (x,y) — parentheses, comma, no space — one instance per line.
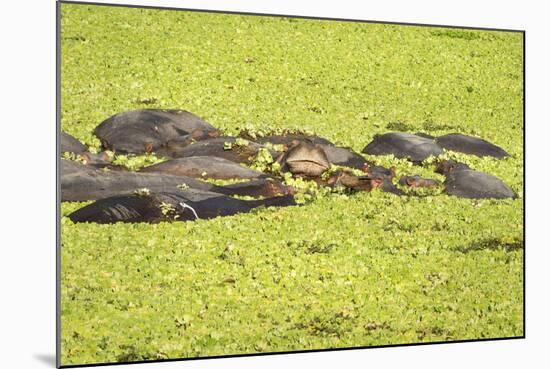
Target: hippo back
(470,145)
(146,130)
(404,146)
(476,185)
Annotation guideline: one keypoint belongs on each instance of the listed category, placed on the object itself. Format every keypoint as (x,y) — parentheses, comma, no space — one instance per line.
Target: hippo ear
(197,133)
(148,147)
(86,157)
(410,181)
(392,171)
(365,168)
(377,182)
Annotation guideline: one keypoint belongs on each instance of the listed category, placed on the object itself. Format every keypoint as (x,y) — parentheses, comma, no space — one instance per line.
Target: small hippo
(403,146)
(182,205)
(204,167)
(464,182)
(146,130)
(69,144)
(470,145)
(353,182)
(416,181)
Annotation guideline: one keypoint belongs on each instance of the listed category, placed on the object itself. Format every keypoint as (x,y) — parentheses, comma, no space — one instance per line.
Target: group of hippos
(177,189)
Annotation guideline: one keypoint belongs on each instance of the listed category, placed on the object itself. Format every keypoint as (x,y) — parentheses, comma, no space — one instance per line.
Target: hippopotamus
(416,181)
(81,183)
(182,205)
(464,182)
(71,144)
(146,130)
(470,145)
(304,158)
(354,182)
(403,146)
(204,167)
(229,148)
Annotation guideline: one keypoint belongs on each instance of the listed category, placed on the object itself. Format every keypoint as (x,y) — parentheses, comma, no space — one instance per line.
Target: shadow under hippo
(183,205)
(146,130)
(82,183)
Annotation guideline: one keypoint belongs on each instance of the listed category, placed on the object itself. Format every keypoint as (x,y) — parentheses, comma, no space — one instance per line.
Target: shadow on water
(48,359)
(492,244)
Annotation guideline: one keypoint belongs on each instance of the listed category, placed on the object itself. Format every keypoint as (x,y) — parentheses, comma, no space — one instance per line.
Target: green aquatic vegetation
(136,162)
(224,182)
(341,269)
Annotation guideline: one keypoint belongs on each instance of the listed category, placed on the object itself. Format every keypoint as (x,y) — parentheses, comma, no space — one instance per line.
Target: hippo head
(276,188)
(305,158)
(201,134)
(357,183)
(447,167)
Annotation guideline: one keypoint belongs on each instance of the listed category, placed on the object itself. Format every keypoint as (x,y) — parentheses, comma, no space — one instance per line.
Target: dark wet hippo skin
(470,145)
(344,156)
(205,167)
(216,147)
(81,183)
(71,144)
(416,181)
(146,130)
(403,146)
(304,158)
(467,183)
(180,205)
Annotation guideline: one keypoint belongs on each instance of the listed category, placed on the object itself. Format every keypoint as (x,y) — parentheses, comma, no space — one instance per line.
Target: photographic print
(240,184)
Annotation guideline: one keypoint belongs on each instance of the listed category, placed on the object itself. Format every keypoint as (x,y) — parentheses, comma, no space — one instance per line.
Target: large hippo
(305,159)
(146,130)
(204,167)
(470,145)
(464,182)
(237,150)
(81,183)
(190,204)
(403,146)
